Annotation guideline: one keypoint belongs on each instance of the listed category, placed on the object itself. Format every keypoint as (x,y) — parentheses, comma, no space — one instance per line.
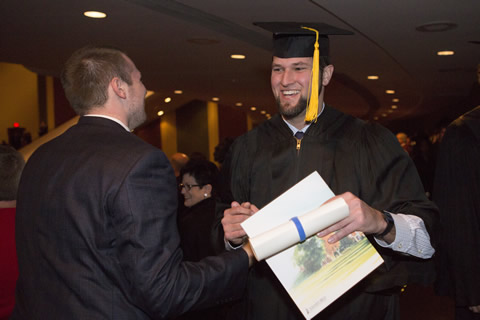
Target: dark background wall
(192,128)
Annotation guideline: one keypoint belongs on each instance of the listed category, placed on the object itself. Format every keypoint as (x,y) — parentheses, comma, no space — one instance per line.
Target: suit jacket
(97,236)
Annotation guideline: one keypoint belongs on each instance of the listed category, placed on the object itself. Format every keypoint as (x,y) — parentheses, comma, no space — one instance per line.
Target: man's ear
(119,87)
(327,74)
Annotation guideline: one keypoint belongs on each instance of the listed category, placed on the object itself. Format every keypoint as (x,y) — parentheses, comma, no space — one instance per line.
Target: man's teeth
(290,92)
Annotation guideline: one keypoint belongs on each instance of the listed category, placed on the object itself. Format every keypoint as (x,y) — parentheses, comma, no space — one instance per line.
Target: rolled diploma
(286,235)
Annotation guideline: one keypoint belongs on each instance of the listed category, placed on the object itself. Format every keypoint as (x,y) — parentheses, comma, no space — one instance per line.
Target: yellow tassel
(312,102)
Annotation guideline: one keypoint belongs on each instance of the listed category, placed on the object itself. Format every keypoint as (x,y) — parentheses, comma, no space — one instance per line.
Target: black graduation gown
(457,192)
(350,155)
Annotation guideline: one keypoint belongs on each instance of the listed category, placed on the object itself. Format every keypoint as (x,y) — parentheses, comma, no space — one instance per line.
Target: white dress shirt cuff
(411,237)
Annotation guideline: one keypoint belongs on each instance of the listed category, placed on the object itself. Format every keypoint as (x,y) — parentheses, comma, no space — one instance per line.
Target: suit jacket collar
(100,121)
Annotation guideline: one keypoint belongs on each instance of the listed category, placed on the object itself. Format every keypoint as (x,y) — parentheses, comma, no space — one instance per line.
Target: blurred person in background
(11,166)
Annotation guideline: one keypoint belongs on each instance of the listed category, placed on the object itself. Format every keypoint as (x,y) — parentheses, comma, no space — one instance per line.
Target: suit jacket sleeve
(144,216)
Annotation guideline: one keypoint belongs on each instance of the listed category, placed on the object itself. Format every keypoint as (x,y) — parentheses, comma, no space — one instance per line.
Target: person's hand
(475,309)
(362,218)
(233,217)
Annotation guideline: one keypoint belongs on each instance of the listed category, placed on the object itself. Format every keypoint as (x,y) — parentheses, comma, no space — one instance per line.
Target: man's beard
(137,116)
(294,111)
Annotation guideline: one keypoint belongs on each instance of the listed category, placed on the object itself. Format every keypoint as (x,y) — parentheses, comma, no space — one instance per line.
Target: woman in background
(198,237)
(199,189)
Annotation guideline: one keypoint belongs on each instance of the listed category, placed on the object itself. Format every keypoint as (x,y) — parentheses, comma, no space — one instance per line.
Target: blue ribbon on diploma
(300,230)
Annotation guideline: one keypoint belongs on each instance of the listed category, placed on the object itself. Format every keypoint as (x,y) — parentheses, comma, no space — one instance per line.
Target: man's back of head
(87,74)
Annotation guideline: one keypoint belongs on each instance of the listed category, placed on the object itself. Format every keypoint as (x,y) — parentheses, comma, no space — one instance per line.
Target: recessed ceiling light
(178,91)
(390,91)
(95,14)
(215,99)
(437,26)
(149,93)
(253,108)
(237,56)
(394,107)
(168,99)
(239,104)
(390,111)
(375,118)
(263,112)
(395,100)
(445,53)
(160,113)
(384,115)
(372,77)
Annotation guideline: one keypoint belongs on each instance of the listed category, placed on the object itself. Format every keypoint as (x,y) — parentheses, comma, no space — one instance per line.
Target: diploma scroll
(290,233)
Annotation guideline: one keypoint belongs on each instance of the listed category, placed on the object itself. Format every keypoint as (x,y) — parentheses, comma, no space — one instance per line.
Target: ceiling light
(253,108)
(394,107)
(438,26)
(160,113)
(94,14)
(178,91)
(384,115)
(215,99)
(390,111)
(390,91)
(239,104)
(445,53)
(149,93)
(372,77)
(168,99)
(237,56)
(263,112)
(375,118)
(395,100)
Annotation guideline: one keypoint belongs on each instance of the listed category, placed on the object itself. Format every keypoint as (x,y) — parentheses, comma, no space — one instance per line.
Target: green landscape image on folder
(322,272)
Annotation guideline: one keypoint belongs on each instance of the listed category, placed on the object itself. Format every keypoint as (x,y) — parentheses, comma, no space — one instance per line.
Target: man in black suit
(96,217)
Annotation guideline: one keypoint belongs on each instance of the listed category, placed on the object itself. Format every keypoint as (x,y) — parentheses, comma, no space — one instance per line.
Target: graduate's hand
(362,218)
(475,309)
(233,217)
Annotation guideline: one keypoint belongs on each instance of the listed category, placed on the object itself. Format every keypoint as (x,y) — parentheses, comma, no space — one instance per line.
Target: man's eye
(276,69)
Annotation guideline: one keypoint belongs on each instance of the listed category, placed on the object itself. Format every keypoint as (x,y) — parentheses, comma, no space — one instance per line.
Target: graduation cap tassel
(312,107)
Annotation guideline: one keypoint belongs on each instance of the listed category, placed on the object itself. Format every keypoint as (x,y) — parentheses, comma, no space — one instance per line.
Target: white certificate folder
(314,272)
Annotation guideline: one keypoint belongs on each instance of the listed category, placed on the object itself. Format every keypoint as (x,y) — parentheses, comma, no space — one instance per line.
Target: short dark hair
(11,167)
(88,72)
(204,172)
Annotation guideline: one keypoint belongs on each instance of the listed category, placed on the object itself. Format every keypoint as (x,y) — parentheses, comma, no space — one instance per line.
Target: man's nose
(287,77)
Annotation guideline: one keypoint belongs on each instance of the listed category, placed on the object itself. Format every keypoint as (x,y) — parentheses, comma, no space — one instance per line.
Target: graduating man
(361,162)
(96,217)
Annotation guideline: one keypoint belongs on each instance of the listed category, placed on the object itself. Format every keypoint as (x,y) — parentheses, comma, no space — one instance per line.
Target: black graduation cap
(300,40)
(291,40)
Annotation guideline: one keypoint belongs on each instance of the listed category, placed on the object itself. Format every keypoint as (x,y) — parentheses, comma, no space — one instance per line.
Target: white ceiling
(160,36)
